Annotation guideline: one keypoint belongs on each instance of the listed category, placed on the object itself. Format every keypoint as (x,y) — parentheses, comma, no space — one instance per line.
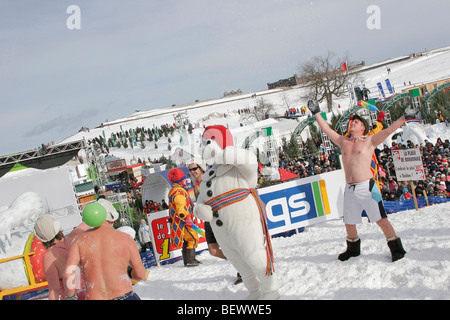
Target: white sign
(408,164)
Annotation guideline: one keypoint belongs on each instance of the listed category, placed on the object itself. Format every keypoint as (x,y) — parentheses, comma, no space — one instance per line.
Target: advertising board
(290,205)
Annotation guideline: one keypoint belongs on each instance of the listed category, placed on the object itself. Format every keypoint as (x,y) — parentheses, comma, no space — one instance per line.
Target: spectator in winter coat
(392,184)
(420,188)
(393,196)
(397,192)
(405,195)
(144,235)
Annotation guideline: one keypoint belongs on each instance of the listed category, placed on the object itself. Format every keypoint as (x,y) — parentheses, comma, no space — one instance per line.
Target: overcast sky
(139,55)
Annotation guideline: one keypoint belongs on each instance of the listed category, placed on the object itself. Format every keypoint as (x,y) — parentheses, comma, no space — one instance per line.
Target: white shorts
(363,196)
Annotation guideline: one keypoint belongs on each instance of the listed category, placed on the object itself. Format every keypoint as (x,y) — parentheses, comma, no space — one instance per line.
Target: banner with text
(408,164)
(289,206)
(160,230)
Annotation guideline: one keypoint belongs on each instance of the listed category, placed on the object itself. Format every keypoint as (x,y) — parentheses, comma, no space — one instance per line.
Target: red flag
(344,67)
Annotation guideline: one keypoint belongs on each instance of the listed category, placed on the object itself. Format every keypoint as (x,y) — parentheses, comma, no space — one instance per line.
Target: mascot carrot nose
(215,139)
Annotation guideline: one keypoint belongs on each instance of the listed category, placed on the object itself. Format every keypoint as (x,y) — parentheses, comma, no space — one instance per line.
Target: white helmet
(111,212)
(46,227)
(198,161)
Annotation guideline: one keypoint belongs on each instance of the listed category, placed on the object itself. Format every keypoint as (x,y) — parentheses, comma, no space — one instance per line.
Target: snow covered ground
(307,266)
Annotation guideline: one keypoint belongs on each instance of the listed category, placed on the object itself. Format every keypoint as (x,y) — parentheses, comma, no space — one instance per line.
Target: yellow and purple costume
(180,211)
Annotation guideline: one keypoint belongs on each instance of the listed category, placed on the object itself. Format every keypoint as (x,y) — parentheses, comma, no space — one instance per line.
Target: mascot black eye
(208,142)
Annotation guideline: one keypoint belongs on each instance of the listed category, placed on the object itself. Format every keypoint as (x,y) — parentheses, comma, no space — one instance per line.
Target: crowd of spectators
(435,158)
(310,164)
(153,206)
(436,169)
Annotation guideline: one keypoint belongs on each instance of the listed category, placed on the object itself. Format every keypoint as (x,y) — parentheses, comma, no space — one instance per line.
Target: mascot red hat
(220,134)
(176,175)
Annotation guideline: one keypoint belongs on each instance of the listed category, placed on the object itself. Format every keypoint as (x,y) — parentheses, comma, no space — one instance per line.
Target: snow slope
(431,66)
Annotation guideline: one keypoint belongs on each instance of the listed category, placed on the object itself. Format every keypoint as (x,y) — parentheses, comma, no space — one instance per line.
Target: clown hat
(176,175)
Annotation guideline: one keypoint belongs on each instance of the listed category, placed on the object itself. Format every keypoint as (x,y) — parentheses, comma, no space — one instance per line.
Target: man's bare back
(103,255)
(54,263)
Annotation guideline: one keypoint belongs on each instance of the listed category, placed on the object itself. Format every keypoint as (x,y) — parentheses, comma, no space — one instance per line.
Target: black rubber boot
(396,248)
(183,254)
(353,250)
(190,258)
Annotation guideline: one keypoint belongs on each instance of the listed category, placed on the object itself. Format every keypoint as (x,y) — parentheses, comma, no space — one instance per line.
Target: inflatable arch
(157,185)
(297,131)
(432,94)
(249,140)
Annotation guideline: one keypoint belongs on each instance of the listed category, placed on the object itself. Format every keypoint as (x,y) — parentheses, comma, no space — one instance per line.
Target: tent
(157,185)
(182,154)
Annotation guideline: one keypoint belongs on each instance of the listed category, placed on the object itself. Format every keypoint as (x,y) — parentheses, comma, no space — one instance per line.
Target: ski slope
(431,66)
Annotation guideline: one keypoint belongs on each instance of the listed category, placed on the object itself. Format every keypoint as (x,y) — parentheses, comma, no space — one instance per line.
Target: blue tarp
(396,206)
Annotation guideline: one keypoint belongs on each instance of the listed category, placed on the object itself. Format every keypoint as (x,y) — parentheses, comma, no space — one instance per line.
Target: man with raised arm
(361,191)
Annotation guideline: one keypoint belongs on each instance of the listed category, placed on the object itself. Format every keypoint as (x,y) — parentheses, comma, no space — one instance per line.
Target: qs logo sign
(299,203)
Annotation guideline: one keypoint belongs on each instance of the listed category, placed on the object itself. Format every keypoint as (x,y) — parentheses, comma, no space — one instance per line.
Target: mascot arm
(244,160)
(203,212)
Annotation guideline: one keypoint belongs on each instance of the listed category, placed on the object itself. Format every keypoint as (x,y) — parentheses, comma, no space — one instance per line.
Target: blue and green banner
(304,202)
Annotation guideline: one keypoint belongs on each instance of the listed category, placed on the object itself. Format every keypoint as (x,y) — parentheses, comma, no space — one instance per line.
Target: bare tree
(261,111)
(324,78)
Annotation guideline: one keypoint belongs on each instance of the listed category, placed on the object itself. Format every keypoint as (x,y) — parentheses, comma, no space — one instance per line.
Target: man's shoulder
(120,235)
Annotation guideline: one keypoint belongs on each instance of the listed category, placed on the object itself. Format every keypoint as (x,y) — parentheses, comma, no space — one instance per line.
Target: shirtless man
(104,254)
(361,191)
(48,230)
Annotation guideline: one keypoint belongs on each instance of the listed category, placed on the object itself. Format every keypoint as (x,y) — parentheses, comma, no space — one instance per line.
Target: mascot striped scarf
(236,195)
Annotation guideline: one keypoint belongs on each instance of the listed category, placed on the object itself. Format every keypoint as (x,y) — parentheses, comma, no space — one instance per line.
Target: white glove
(203,212)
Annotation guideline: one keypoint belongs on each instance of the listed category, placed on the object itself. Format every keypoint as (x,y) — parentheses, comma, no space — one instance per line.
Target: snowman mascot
(229,201)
